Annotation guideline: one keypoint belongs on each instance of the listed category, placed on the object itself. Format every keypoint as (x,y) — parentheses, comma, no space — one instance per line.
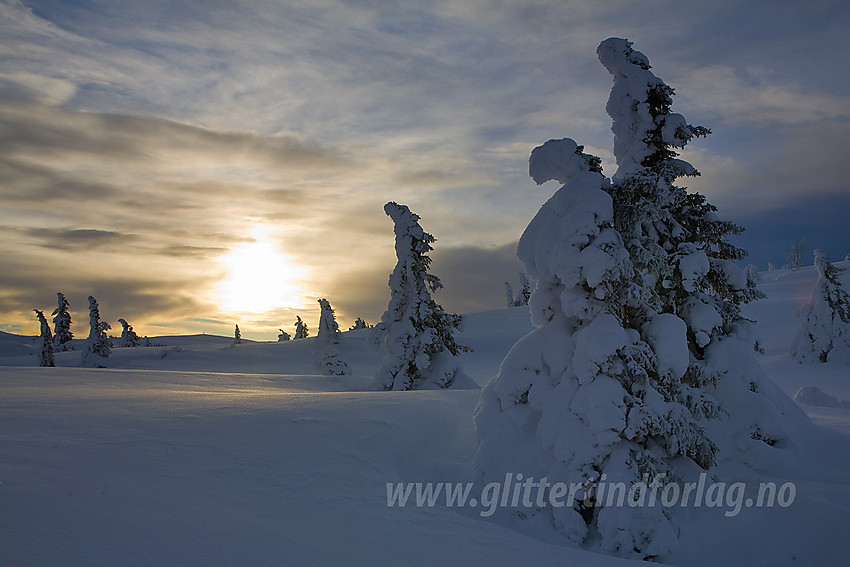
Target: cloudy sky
(201,163)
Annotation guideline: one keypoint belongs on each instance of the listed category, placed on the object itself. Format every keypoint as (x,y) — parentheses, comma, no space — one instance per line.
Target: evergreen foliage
(301,329)
(417,334)
(98,348)
(62,334)
(824,333)
(45,342)
(129,338)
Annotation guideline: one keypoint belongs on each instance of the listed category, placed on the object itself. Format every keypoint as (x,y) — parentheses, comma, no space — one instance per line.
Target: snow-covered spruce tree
(824,333)
(641,367)
(752,273)
(328,332)
(97,346)
(237,336)
(509,296)
(62,334)
(45,341)
(326,359)
(524,290)
(301,329)
(359,323)
(795,255)
(524,294)
(283,336)
(129,338)
(416,333)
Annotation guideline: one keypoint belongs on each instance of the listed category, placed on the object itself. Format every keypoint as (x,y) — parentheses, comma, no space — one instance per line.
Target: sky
(205,163)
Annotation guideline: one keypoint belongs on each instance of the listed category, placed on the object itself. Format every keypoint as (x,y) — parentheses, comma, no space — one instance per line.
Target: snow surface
(199,452)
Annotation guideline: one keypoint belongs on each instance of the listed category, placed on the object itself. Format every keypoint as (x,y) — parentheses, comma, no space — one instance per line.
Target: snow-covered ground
(199,452)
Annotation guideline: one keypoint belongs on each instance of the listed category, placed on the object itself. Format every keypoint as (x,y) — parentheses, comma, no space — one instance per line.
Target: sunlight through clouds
(260,278)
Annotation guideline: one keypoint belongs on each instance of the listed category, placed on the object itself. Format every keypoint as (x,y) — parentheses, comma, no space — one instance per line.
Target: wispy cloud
(141,142)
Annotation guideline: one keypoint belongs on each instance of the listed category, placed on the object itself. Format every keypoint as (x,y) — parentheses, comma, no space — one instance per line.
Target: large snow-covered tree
(45,341)
(62,334)
(824,333)
(97,346)
(640,344)
(416,333)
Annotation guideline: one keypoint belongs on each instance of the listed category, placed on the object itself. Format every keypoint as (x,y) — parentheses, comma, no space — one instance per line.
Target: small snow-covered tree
(129,338)
(326,359)
(509,296)
(283,336)
(328,332)
(97,346)
(524,294)
(417,334)
(639,342)
(62,334)
(824,333)
(752,273)
(771,267)
(237,336)
(45,341)
(359,323)
(847,258)
(301,329)
(525,289)
(795,255)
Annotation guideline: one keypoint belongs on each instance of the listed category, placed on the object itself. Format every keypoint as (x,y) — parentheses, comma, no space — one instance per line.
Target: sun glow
(260,277)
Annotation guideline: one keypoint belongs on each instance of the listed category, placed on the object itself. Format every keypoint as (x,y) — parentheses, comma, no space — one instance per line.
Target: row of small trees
(97,347)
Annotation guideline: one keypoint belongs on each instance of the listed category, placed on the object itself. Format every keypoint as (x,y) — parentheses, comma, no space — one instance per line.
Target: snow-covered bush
(301,329)
(824,333)
(129,338)
(97,348)
(416,333)
(326,360)
(328,332)
(629,375)
(359,323)
(62,334)
(45,341)
(283,336)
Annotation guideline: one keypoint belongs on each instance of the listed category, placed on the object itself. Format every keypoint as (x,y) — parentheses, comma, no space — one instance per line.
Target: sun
(260,277)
